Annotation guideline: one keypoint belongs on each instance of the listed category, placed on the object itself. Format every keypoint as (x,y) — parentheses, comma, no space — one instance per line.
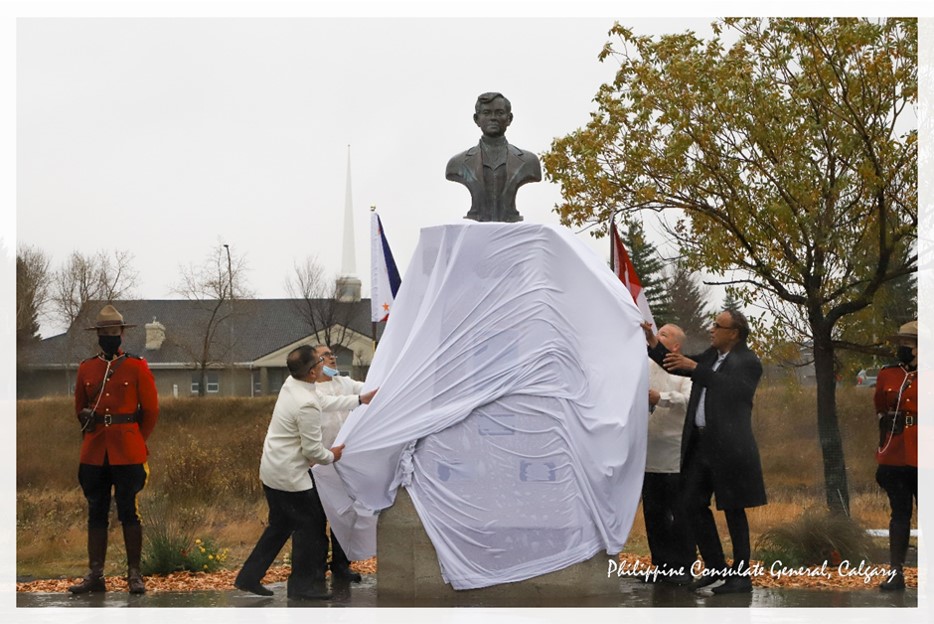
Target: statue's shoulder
(530,165)
(521,153)
(460,156)
(457,160)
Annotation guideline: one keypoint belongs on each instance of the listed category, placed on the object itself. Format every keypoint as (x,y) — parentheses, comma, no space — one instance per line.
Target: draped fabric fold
(512,406)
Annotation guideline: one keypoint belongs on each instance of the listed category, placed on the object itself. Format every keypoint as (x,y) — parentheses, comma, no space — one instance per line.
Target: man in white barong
(332,383)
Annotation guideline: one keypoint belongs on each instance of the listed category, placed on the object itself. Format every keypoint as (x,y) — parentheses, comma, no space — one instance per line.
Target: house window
(276,379)
(212,383)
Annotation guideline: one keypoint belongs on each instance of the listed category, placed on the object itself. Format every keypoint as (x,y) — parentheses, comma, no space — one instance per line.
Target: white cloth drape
(353,524)
(513,404)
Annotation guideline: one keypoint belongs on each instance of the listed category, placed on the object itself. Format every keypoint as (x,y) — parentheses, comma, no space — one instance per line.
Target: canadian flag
(626,272)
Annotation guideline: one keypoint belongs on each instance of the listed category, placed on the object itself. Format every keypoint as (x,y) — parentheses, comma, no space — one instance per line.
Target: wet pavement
(632,593)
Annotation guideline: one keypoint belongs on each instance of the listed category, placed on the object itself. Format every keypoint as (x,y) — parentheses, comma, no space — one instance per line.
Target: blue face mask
(330,372)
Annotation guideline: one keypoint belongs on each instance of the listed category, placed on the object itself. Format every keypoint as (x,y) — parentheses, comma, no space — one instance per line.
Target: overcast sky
(169,136)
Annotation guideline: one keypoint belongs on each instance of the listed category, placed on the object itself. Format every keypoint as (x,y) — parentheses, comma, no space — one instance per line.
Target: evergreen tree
(689,308)
(731,301)
(865,334)
(650,269)
(900,299)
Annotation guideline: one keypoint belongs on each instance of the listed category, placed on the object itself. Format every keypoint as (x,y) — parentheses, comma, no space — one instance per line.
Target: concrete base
(409,571)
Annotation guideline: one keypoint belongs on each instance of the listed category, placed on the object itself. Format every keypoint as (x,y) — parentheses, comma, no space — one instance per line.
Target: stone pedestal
(409,574)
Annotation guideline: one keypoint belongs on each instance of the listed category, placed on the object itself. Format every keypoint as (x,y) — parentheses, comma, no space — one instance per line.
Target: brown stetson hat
(908,330)
(109,317)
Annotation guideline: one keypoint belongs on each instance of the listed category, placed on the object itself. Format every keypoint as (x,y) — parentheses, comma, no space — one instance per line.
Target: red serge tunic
(130,387)
(897,389)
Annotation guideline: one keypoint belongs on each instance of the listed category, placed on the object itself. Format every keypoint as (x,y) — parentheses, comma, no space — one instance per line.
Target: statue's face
(493,118)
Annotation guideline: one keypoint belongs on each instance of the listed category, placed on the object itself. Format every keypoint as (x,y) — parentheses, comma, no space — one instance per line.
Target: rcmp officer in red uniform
(896,402)
(117,407)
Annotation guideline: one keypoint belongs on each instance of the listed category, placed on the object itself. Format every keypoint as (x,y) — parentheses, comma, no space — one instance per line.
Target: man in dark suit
(493,170)
(719,454)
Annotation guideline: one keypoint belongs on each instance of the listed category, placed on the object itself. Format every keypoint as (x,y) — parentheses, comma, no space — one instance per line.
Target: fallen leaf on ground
(223,580)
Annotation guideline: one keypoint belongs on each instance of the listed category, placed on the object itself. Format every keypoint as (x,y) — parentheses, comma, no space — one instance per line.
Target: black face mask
(109,344)
(904,354)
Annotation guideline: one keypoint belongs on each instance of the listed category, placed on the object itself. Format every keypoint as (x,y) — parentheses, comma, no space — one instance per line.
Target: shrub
(205,556)
(164,551)
(815,537)
(176,552)
(169,545)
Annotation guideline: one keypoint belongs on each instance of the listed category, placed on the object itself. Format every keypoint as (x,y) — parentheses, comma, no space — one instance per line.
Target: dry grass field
(205,460)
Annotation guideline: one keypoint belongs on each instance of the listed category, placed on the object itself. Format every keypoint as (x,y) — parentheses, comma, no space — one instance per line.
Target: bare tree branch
(214,286)
(84,278)
(32,292)
(316,300)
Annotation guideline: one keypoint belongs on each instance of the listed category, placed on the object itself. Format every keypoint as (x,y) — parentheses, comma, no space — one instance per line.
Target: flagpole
(375,341)
(610,236)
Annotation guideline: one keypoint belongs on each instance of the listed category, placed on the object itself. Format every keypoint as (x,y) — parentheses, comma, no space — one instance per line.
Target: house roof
(256,328)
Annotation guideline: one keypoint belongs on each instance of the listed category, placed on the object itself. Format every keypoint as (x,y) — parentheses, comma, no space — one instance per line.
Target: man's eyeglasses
(328,355)
(716,325)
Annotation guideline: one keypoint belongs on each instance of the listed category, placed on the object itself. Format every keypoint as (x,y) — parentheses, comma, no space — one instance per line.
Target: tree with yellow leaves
(786,151)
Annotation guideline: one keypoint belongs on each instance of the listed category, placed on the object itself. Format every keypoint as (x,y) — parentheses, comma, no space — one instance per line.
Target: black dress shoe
(90,583)
(708,581)
(311,594)
(896,582)
(735,585)
(345,574)
(676,579)
(254,588)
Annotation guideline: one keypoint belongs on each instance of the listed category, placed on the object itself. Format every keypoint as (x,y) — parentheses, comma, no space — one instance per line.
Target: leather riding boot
(97,552)
(133,538)
(899,535)
(895,581)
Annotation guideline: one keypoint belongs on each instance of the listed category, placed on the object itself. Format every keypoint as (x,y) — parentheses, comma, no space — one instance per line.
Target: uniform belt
(115,419)
(699,430)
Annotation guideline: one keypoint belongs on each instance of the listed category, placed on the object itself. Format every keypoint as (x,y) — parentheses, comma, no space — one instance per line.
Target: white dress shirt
(666,422)
(333,419)
(700,416)
(293,441)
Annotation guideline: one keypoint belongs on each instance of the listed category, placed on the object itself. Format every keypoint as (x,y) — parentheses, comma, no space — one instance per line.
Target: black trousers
(698,490)
(901,484)
(666,523)
(126,482)
(338,557)
(298,515)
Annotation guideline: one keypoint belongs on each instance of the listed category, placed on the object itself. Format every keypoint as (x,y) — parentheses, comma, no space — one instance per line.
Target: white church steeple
(348,284)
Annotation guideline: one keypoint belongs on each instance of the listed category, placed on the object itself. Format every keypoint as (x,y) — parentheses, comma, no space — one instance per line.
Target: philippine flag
(626,273)
(384,275)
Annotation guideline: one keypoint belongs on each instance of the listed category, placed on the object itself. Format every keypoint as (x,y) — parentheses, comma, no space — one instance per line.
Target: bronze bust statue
(493,170)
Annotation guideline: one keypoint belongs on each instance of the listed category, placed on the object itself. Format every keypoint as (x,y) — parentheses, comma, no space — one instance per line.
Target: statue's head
(493,114)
